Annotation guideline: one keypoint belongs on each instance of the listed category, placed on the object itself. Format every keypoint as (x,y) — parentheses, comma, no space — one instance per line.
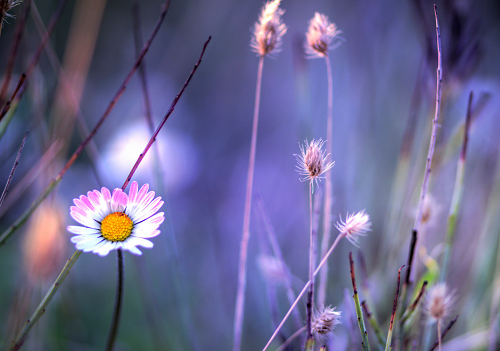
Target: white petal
(105,249)
(132,248)
(90,244)
(75,229)
(141,242)
(81,238)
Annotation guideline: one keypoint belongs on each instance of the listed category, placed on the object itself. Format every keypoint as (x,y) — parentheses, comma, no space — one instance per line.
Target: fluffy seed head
(268,30)
(312,161)
(325,321)
(439,302)
(320,36)
(355,225)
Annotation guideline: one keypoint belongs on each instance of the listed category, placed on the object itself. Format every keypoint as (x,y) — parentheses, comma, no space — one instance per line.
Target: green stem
(359,313)
(16,344)
(375,325)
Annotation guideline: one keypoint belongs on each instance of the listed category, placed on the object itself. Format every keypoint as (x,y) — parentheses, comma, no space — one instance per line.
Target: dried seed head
(6,5)
(325,321)
(439,302)
(355,225)
(269,30)
(312,161)
(272,268)
(320,36)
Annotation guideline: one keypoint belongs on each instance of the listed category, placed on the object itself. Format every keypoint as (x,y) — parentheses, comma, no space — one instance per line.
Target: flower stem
(118,304)
(16,344)
(327,218)
(310,294)
(242,269)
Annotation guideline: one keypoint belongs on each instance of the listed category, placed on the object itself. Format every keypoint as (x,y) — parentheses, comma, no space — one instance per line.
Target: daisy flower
(116,221)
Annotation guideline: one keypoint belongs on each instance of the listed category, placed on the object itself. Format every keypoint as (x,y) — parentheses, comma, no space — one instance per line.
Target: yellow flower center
(116,226)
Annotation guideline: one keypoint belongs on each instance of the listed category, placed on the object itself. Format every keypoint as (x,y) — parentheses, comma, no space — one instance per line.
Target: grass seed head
(268,30)
(321,36)
(354,226)
(312,161)
(439,302)
(325,321)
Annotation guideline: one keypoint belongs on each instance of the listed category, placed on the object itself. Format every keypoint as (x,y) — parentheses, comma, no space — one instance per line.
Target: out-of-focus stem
(242,268)
(11,175)
(290,339)
(457,195)
(327,218)
(16,344)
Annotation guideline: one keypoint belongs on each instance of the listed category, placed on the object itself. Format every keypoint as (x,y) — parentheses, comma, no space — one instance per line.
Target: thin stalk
(290,339)
(30,177)
(113,331)
(17,343)
(359,313)
(304,289)
(443,334)
(157,169)
(423,191)
(11,175)
(393,315)
(310,295)
(242,269)
(80,149)
(435,126)
(456,199)
(375,325)
(439,334)
(327,218)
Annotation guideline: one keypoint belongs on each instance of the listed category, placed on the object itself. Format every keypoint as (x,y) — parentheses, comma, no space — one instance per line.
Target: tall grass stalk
(312,260)
(375,325)
(435,126)
(242,268)
(327,217)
